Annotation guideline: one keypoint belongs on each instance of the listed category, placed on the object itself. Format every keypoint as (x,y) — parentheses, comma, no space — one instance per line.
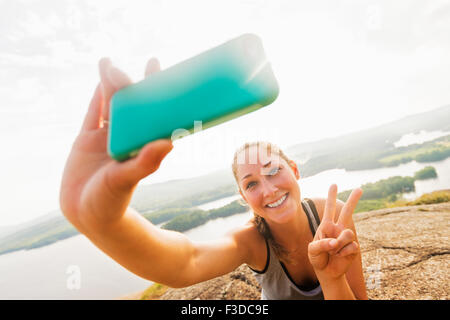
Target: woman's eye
(274,171)
(251,184)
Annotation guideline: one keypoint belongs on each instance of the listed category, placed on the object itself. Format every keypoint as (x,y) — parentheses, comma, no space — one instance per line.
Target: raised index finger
(92,118)
(330,205)
(113,79)
(153,66)
(345,216)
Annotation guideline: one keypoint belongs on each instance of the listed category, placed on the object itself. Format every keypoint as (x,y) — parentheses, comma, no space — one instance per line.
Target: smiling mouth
(278,203)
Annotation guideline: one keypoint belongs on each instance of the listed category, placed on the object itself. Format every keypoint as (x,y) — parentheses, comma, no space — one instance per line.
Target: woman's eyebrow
(249,175)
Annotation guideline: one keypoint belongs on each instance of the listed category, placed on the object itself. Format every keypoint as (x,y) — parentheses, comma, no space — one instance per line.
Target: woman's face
(269,185)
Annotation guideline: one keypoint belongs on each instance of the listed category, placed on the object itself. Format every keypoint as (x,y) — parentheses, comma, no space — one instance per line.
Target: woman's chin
(283,216)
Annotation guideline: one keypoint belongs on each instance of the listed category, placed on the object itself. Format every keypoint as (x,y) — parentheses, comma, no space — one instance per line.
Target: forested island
(387,193)
(182,219)
(198,217)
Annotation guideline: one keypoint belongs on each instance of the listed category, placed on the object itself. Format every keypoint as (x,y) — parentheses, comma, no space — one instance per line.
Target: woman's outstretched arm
(96,191)
(164,256)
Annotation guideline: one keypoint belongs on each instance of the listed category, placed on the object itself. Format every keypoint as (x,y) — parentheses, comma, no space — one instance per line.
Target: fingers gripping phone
(215,86)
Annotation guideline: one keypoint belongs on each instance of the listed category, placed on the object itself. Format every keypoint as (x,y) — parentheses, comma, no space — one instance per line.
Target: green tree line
(428,172)
(377,195)
(198,217)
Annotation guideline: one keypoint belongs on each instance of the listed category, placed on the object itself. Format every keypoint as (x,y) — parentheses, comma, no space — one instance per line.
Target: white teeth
(277,203)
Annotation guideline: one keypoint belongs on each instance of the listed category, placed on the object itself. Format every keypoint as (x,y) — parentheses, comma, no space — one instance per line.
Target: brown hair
(260,222)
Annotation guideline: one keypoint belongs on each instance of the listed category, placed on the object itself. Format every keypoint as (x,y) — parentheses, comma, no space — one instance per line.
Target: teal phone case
(215,86)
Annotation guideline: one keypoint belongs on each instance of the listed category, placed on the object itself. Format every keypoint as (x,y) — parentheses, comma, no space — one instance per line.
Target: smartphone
(225,82)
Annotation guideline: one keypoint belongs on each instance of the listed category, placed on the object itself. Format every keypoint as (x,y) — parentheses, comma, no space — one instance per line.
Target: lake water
(318,185)
(49,272)
(421,137)
(218,203)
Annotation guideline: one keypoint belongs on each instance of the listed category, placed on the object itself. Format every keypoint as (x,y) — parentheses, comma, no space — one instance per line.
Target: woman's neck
(293,235)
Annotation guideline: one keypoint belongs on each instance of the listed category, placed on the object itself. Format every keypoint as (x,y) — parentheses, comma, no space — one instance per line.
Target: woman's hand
(334,246)
(96,189)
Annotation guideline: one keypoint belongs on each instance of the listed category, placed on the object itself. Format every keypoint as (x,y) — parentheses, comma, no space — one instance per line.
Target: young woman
(297,249)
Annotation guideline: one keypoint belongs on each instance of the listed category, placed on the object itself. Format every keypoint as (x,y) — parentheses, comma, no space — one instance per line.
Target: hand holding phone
(95,189)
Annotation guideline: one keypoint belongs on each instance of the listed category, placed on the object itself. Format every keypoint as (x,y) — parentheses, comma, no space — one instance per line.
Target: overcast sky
(342,66)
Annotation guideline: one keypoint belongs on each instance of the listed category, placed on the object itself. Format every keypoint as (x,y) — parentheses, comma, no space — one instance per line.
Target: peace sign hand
(334,246)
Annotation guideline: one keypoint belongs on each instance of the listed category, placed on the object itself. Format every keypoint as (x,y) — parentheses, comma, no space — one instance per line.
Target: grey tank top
(275,280)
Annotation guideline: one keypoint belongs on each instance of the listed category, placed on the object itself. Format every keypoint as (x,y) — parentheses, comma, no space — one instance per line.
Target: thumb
(130,172)
(318,247)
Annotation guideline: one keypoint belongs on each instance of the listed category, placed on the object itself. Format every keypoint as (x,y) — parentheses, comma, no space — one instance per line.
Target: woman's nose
(268,189)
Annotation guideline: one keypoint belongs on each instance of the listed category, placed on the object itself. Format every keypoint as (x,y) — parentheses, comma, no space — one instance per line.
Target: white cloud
(36,26)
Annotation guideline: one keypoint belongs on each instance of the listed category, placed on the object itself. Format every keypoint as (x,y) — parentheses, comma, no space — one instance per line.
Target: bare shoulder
(247,235)
(248,238)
